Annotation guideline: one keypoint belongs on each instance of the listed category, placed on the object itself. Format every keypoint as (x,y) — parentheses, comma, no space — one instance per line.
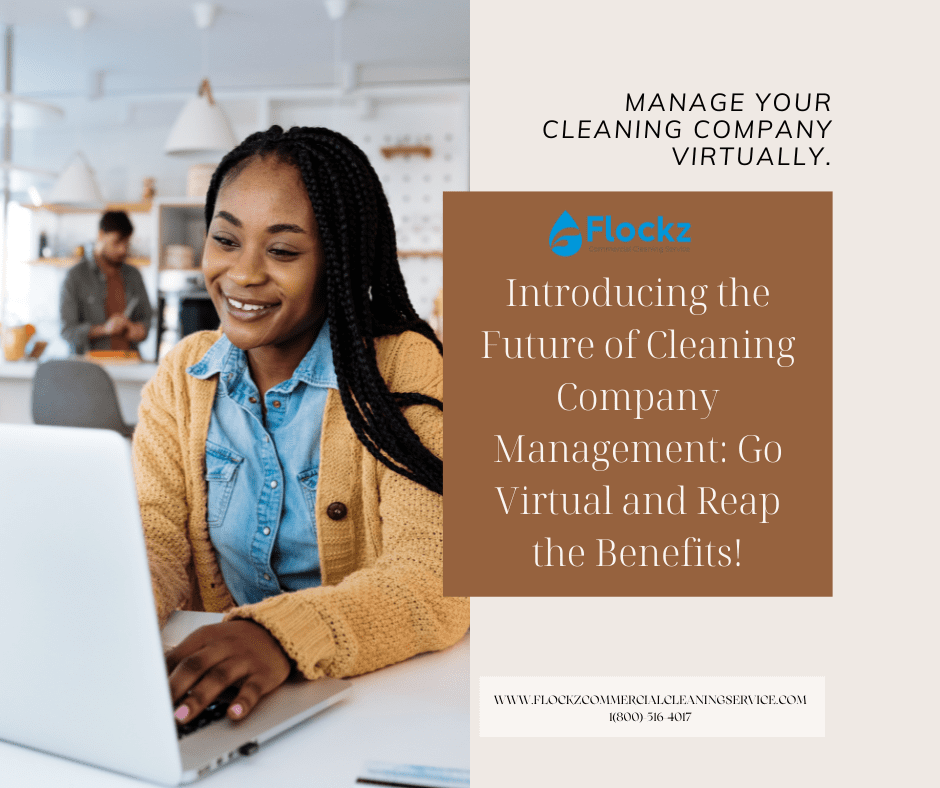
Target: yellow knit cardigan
(382,597)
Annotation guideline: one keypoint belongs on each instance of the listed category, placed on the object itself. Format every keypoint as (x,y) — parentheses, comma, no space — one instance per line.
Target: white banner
(657,706)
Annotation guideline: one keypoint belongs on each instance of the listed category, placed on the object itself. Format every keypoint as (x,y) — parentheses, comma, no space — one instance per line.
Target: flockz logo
(566,245)
(650,232)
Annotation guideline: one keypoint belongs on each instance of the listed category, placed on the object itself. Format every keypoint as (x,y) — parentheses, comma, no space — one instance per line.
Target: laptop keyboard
(214,711)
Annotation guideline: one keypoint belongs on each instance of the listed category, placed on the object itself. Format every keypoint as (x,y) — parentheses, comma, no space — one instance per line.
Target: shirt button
(266,531)
(252,400)
(274,485)
(277,404)
(265,438)
(336,510)
(267,576)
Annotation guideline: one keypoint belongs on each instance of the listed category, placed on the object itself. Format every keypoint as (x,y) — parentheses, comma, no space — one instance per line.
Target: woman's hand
(215,657)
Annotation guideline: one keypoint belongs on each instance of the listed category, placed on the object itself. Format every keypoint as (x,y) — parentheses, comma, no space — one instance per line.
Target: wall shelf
(127,207)
(417,253)
(68,262)
(406,150)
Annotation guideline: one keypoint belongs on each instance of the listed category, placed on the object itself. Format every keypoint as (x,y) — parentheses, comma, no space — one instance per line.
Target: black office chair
(77,394)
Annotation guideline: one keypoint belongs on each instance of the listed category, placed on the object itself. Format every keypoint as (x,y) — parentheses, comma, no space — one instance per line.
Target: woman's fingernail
(237,710)
(182,713)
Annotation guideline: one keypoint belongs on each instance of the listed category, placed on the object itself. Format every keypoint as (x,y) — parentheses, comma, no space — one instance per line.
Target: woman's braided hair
(365,290)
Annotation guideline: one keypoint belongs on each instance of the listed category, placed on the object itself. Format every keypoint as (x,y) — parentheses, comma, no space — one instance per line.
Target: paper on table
(410,775)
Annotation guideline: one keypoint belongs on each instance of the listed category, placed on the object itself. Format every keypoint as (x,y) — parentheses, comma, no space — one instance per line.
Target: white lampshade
(201,126)
(27,113)
(22,179)
(77,186)
(336,9)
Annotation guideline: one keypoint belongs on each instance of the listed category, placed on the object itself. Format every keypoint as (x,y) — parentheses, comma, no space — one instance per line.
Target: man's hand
(215,657)
(136,332)
(116,324)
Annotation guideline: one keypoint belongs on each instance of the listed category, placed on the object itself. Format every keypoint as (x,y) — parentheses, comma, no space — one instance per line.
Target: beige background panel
(875,639)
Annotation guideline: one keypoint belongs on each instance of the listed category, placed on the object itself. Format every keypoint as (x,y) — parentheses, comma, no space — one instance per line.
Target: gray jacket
(81,303)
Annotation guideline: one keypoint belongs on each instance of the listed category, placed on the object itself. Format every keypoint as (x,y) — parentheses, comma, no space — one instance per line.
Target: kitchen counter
(16,388)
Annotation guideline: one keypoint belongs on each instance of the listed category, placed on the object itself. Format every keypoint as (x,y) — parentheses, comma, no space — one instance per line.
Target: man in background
(103,303)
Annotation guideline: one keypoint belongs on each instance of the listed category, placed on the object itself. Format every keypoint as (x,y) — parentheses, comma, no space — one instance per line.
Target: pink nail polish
(182,713)
(237,710)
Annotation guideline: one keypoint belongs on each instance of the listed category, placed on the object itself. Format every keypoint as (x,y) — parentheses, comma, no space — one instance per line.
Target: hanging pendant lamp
(77,186)
(201,126)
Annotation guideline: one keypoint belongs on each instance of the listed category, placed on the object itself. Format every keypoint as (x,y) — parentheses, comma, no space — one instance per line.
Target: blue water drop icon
(565,245)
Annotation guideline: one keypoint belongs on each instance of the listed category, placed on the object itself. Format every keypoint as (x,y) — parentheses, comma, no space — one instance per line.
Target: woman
(289,467)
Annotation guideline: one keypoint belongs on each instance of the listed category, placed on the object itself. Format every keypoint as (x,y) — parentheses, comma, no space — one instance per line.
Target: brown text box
(700,520)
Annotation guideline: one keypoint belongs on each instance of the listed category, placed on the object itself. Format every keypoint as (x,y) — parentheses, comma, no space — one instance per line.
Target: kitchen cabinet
(176,221)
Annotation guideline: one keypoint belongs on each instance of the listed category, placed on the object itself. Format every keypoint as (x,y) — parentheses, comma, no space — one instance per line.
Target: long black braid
(366,295)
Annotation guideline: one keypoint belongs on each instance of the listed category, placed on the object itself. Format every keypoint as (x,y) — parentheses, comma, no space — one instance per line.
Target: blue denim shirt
(261,471)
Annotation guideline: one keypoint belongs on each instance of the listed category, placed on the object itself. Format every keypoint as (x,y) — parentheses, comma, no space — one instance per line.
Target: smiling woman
(263,265)
(290,465)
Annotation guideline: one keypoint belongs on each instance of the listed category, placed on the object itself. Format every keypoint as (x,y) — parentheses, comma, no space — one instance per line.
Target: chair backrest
(70,393)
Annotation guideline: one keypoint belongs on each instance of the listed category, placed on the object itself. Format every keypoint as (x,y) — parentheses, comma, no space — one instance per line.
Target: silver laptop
(82,673)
